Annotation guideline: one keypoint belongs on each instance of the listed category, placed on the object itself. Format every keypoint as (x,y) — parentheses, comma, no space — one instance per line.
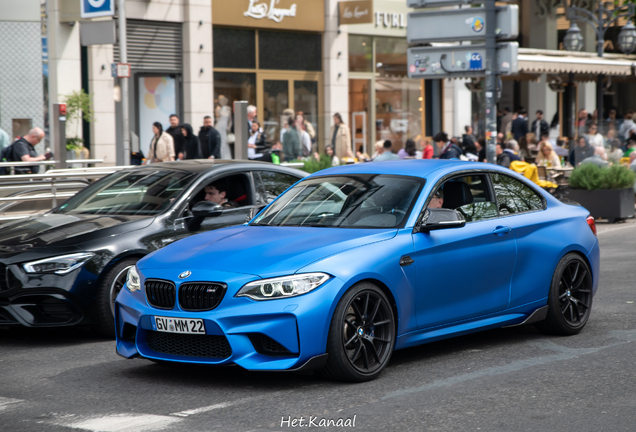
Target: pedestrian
(512,146)
(481,150)
(191,147)
(305,138)
(4,139)
(540,127)
(427,149)
(506,120)
(626,127)
(23,150)
(387,154)
(520,125)
(177,136)
(251,116)
(378,148)
(291,141)
(307,126)
(408,151)
(580,152)
(524,151)
(256,139)
(468,141)
(615,153)
(209,140)
(340,137)
(594,138)
(599,158)
(329,151)
(503,158)
(161,145)
(547,156)
(447,149)
(287,114)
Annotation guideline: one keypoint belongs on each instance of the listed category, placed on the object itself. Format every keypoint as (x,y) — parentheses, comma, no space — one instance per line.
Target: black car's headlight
(59,265)
(282,287)
(132,280)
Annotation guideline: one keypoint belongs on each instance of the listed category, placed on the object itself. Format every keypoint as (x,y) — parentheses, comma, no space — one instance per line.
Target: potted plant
(78,107)
(606,192)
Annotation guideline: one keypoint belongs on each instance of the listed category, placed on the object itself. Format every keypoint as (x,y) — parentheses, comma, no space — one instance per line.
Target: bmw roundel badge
(185,274)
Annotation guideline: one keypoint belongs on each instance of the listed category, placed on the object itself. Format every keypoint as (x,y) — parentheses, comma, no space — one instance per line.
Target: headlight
(281,287)
(58,265)
(132,281)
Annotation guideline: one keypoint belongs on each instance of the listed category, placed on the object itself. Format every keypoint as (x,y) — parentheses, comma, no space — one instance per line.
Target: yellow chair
(530,172)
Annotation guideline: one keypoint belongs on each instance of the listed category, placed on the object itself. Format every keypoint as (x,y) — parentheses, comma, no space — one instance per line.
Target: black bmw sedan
(66,267)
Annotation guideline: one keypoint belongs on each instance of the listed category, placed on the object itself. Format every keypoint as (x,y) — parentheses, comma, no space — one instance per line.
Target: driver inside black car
(217,193)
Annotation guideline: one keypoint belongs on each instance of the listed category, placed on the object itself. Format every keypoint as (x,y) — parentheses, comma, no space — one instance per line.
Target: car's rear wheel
(570,297)
(109,286)
(361,335)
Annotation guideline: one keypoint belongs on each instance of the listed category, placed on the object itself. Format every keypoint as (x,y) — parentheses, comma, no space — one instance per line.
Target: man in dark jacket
(468,141)
(540,127)
(447,149)
(503,158)
(520,125)
(582,150)
(175,131)
(210,140)
(24,151)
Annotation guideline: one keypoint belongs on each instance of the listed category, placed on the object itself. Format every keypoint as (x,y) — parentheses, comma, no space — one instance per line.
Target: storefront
(270,55)
(384,103)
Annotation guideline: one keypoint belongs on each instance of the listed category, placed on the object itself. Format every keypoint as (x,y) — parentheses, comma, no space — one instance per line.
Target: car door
(534,230)
(464,273)
(242,191)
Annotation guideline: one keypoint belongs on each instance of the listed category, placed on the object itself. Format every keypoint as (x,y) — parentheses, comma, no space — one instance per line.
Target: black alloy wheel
(361,335)
(570,298)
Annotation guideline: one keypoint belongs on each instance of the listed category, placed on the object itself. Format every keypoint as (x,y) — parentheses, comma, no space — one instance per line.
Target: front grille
(189,345)
(200,296)
(160,294)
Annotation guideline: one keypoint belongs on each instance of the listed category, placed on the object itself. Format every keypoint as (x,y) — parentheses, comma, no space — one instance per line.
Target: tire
(361,335)
(570,297)
(110,284)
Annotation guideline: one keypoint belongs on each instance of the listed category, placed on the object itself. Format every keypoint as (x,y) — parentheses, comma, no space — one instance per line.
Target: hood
(55,229)
(261,251)
(188,129)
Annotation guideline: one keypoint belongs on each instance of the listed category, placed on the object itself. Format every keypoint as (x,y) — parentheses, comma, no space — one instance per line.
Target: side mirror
(253,212)
(207,209)
(435,219)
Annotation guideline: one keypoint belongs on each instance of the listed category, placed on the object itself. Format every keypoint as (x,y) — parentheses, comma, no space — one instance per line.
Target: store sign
(390,20)
(305,15)
(356,12)
(97,8)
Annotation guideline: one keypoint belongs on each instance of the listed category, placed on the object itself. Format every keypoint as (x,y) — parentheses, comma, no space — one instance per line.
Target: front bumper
(282,334)
(45,300)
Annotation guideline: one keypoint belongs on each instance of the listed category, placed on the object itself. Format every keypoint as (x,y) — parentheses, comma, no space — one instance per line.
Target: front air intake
(160,294)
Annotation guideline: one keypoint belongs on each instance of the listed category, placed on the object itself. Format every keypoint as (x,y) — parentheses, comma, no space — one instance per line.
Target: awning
(534,61)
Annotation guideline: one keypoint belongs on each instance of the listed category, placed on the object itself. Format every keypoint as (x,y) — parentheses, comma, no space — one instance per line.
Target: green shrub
(312,165)
(591,177)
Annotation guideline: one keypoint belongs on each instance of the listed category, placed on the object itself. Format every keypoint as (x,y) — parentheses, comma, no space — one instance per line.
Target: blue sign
(476,62)
(97,8)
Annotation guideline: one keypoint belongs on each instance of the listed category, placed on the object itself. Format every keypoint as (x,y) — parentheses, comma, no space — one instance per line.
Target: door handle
(501,230)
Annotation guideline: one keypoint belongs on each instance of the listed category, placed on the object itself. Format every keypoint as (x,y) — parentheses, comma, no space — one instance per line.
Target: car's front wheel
(570,297)
(109,286)
(361,335)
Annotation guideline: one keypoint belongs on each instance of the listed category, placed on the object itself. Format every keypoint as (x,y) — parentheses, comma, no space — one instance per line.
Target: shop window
(360,53)
(398,115)
(290,51)
(234,48)
(234,86)
(390,56)
(306,100)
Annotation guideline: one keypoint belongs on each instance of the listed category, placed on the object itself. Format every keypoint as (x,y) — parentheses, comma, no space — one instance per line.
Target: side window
(513,196)
(270,184)
(469,194)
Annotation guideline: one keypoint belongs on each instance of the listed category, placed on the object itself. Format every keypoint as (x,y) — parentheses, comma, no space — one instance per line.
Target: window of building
(234,48)
(289,51)
(360,53)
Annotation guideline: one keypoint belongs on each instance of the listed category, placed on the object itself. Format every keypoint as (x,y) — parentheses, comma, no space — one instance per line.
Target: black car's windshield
(138,192)
(356,201)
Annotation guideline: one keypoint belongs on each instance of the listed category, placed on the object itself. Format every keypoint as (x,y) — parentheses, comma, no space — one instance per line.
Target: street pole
(600,43)
(123,58)
(491,82)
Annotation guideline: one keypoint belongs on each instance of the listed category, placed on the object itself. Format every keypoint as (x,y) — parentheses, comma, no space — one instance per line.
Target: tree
(79,105)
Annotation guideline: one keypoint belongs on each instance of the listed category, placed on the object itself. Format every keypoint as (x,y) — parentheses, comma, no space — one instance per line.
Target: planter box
(609,204)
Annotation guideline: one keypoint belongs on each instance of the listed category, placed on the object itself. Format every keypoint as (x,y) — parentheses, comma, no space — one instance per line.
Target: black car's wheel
(361,335)
(570,298)
(109,286)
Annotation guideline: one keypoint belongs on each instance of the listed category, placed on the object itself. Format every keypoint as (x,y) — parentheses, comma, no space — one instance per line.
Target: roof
(202,165)
(415,168)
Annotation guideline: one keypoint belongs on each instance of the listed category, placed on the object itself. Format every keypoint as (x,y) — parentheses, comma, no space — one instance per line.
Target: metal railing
(13,165)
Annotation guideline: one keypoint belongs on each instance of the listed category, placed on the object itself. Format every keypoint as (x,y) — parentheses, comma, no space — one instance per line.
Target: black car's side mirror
(438,218)
(207,209)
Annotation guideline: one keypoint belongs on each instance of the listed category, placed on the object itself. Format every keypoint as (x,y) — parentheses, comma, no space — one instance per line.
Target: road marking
(221,405)
(5,402)
(122,423)
(563,353)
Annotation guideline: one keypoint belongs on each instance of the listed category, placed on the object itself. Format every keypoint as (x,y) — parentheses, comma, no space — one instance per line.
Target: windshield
(139,192)
(358,201)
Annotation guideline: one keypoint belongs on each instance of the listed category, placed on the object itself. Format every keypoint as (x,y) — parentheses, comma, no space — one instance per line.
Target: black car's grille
(160,294)
(200,296)
(189,345)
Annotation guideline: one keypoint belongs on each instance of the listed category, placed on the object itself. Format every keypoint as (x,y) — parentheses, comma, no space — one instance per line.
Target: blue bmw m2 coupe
(354,262)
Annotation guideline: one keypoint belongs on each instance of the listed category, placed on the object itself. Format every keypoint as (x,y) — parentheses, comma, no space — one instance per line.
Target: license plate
(177,325)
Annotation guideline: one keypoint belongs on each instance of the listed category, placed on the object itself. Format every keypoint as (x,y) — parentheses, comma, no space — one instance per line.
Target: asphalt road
(502,380)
